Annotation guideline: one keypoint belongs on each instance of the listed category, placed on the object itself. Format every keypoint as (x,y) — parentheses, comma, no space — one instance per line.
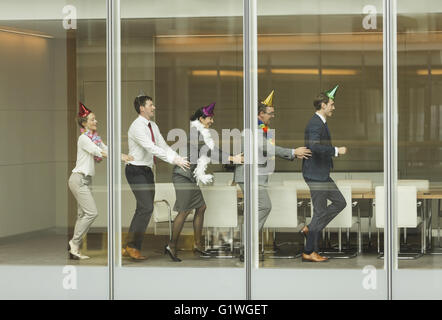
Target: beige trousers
(87,209)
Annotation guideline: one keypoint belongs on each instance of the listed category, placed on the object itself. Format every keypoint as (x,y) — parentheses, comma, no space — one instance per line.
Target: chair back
(300,185)
(407,207)
(284,213)
(164,191)
(344,218)
(421,185)
(222,208)
(222,178)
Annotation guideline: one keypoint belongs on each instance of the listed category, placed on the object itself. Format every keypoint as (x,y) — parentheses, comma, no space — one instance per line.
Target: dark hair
(320,98)
(262,107)
(198,113)
(82,120)
(140,101)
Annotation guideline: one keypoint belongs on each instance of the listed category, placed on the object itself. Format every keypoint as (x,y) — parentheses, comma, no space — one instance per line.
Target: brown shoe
(304,231)
(134,254)
(313,257)
(124,253)
(319,257)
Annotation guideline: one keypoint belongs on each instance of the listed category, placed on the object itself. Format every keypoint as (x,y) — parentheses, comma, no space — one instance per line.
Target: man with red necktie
(146,144)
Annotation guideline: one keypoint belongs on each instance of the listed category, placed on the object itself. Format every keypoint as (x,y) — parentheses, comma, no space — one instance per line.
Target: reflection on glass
(171,210)
(419,134)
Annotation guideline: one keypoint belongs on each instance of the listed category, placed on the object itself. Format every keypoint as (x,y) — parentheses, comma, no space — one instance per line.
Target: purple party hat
(208,110)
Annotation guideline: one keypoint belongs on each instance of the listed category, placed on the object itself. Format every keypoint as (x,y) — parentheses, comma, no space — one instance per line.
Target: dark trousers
(141,181)
(320,192)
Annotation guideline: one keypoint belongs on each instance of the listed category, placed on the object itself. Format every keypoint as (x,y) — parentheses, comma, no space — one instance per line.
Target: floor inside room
(50,248)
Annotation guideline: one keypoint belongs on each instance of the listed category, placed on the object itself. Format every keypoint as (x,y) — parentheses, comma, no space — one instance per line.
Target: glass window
(419,133)
(181,76)
(323,62)
(53,193)
(317,197)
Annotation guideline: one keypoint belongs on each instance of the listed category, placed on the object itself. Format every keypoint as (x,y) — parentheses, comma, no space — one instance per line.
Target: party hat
(208,110)
(269,100)
(331,93)
(83,111)
(141,93)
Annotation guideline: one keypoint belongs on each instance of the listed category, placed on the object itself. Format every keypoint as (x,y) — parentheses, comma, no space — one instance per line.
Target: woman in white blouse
(90,149)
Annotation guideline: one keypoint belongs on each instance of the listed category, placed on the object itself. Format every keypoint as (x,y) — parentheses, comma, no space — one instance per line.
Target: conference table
(426,197)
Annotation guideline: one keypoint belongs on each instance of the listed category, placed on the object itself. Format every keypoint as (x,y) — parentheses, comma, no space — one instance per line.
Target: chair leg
(208,238)
(359,231)
(274,240)
(369,231)
(170,224)
(231,237)
(370,213)
(424,222)
(305,214)
(241,235)
(262,241)
(267,235)
(339,240)
(379,239)
(423,232)
(328,239)
(438,221)
(323,238)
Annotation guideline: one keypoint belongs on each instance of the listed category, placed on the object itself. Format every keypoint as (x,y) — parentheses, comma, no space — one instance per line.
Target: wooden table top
(431,194)
(436,194)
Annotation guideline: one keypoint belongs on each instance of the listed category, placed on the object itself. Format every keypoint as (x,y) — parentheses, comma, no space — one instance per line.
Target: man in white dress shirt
(146,145)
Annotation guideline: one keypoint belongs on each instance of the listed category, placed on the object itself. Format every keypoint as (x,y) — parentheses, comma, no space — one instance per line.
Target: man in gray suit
(267,150)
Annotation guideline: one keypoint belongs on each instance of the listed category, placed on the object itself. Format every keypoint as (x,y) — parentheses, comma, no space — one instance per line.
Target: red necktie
(153,139)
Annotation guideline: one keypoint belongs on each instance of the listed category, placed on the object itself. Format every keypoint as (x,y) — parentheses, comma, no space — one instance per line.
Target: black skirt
(188,194)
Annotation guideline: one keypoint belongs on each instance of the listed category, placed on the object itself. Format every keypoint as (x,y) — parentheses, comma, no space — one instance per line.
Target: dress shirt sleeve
(336,151)
(170,154)
(141,137)
(87,145)
(104,147)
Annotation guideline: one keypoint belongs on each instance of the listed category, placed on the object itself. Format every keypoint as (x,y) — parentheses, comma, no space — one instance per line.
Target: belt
(144,167)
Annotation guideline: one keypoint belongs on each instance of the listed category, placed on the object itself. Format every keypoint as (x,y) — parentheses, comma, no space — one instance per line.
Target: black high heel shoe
(172,256)
(201,252)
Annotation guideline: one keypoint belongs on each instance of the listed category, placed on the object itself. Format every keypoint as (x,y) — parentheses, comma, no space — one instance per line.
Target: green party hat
(331,93)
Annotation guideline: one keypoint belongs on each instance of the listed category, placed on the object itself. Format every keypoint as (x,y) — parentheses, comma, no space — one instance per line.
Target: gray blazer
(265,154)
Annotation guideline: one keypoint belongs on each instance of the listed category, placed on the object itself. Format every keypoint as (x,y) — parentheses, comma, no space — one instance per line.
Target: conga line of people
(147,146)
